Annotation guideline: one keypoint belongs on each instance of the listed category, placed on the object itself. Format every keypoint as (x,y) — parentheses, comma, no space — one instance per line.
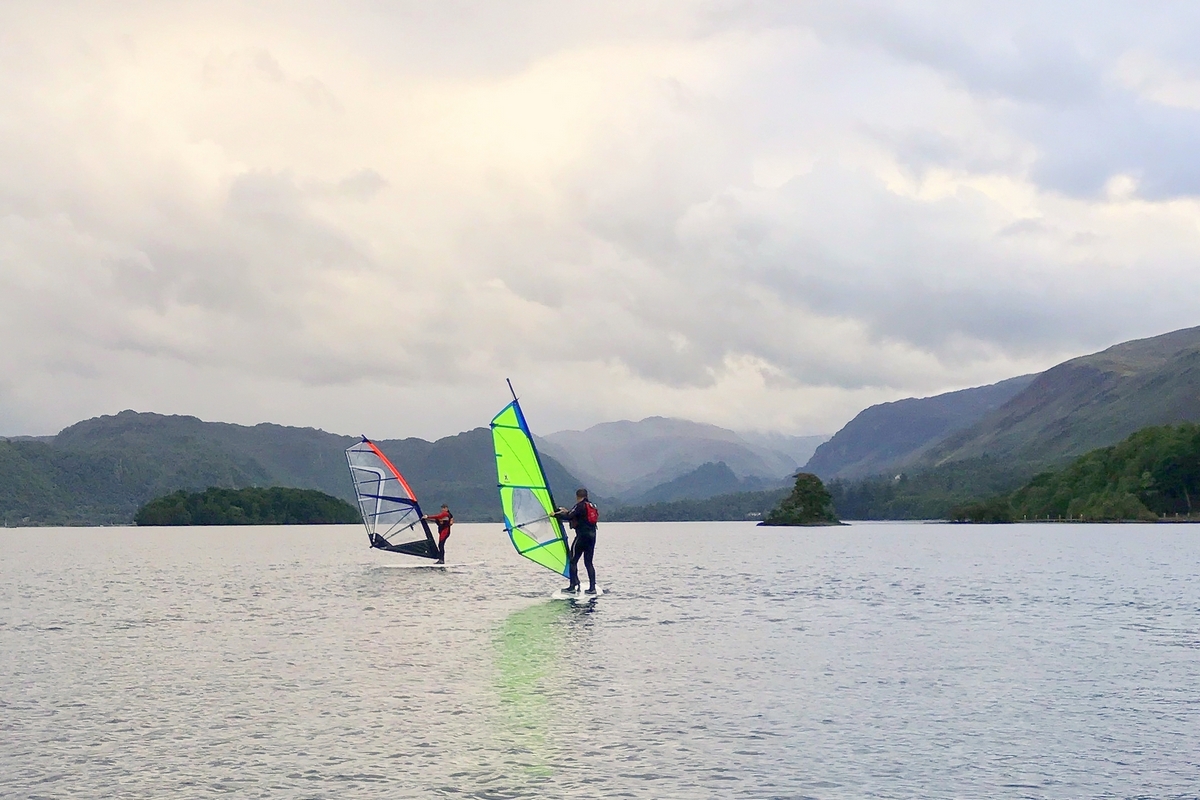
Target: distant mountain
(888,436)
(1087,402)
(707,480)
(798,448)
(624,459)
(101,470)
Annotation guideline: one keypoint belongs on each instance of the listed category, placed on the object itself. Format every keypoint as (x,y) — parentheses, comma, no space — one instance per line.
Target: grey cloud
(1082,147)
(362,185)
(754,183)
(1052,65)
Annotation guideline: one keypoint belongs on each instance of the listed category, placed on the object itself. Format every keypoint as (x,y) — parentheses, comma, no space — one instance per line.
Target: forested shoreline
(276,505)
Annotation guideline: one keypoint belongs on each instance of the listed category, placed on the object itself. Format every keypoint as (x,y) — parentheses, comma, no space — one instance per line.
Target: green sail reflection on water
(524,494)
(529,646)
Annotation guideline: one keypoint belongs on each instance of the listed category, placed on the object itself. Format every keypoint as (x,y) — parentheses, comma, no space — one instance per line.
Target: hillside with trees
(1153,474)
(102,470)
(1073,408)
(273,506)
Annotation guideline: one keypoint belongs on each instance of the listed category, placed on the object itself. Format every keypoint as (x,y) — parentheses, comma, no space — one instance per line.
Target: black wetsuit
(585,543)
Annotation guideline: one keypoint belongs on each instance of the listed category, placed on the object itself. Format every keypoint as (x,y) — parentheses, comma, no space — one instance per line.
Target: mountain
(887,436)
(101,470)
(622,459)
(706,480)
(1071,409)
(1087,402)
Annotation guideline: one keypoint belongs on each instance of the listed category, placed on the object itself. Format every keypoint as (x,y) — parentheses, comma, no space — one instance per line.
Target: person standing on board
(582,517)
(444,520)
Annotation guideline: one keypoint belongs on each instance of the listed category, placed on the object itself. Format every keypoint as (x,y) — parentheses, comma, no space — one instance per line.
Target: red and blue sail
(387,503)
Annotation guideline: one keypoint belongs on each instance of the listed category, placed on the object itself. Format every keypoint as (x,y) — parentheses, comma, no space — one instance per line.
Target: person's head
(581,494)
(445,507)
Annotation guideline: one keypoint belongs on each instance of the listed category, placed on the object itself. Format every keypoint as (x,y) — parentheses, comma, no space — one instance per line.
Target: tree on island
(809,504)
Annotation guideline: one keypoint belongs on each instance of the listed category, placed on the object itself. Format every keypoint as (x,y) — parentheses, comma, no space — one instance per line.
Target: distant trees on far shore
(1153,474)
(271,506)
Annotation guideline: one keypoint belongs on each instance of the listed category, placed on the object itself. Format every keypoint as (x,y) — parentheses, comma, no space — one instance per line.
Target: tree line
(1155,473)
(272,506)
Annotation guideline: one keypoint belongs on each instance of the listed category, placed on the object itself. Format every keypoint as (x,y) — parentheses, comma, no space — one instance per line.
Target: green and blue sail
(524,493)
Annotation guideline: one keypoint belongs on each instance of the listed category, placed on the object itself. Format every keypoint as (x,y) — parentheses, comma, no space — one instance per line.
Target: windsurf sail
(388,506)
(524,494)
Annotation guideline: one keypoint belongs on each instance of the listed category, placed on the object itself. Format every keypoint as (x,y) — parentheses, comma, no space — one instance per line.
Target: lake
(726,661)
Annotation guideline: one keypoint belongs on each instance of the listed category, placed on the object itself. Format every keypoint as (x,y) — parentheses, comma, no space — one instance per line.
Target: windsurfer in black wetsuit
(582,518)
(444,520)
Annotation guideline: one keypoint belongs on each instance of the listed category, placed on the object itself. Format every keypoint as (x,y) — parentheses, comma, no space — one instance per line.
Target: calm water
(727,661)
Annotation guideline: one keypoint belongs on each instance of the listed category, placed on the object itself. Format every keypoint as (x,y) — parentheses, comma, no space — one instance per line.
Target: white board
(578,597)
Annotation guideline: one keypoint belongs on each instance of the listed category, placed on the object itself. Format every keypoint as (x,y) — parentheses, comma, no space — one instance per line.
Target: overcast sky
(364,216)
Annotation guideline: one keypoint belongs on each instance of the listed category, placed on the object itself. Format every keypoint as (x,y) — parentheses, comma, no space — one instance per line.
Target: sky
(364,216)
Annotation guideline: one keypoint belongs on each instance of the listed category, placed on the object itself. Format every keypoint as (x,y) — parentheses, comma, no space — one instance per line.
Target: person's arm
(576,514)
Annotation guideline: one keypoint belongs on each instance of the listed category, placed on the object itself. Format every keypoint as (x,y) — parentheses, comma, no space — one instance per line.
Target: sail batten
(386,502)
(525,496)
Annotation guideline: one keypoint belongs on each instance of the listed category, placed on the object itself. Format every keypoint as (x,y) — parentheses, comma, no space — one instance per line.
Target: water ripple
(871,661)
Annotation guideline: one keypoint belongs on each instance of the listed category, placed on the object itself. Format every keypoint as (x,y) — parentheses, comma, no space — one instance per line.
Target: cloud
(758,215)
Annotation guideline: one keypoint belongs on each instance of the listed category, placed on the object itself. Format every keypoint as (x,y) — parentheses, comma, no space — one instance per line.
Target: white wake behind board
(578,597)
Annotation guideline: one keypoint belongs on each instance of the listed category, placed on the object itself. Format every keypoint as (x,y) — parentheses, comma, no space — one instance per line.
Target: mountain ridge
(102,469)
(1084,403)
(888,436)
(1091,401)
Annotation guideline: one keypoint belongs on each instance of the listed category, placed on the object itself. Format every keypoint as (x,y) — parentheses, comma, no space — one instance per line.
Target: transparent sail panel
(531,515)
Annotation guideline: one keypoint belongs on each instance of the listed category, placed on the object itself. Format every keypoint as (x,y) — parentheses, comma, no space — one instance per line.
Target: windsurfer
(585,538)
(444,520)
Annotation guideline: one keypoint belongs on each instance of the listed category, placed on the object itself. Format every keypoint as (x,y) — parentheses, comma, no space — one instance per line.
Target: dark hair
(581,492)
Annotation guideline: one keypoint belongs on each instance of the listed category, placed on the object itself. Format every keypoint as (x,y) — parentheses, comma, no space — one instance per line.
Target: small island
(809,504)
(273,506)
